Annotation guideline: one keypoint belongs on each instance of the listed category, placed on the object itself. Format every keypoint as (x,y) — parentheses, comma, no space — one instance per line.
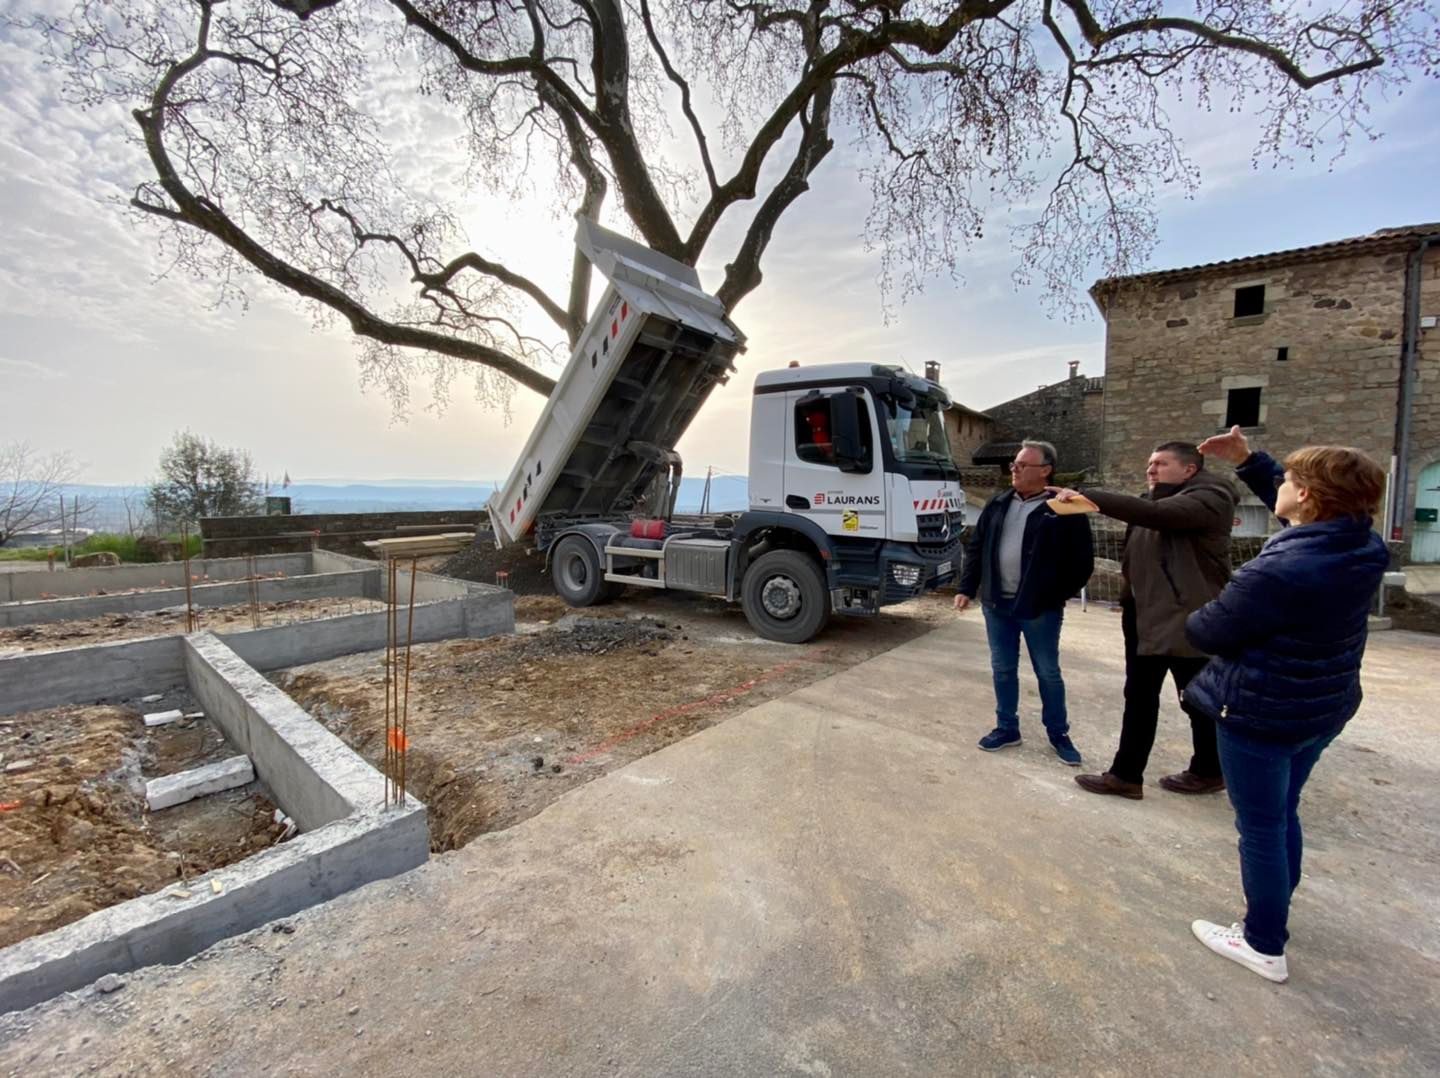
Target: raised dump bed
(649,357)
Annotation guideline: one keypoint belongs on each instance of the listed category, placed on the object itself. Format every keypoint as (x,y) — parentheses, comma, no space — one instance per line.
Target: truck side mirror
(845,417)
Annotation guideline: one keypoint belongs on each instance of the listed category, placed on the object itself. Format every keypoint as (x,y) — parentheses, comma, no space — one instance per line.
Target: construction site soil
(48,636)
(75,836)
(499,728)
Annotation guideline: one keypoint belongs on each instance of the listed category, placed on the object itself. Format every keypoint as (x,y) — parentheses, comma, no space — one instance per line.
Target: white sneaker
(1231,943)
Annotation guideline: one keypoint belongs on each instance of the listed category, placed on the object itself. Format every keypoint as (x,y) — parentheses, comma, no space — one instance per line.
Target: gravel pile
(482,561)
(577,635)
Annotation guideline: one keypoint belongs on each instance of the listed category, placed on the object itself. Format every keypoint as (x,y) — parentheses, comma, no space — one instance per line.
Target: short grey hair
(1047,452)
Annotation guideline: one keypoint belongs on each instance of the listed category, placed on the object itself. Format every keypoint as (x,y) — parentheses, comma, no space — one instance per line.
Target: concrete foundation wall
(278,646)
(349,840)
(489,612)
(429,587)
(127,668)
(327,561)
(357,583)
(283,742)
(17,587)
(277,882)
(43,679)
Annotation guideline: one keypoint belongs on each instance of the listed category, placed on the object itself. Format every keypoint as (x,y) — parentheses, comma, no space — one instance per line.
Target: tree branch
(675,77)
(203,214)
(1098,37)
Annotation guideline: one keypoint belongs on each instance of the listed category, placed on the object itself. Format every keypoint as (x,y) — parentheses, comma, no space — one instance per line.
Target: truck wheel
(576,572)
(784,597)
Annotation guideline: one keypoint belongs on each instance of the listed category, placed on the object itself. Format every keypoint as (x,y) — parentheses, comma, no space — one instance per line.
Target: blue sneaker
(1066,750)
(999,739)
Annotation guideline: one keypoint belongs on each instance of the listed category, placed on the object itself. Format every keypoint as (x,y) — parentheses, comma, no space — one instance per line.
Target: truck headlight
(907,576)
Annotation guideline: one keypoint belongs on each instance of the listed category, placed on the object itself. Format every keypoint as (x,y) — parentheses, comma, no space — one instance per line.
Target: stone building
(965,428)
(1067,414)
(1298,347)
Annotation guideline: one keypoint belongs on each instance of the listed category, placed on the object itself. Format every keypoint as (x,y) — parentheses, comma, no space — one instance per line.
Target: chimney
(932,371)
(1074,368)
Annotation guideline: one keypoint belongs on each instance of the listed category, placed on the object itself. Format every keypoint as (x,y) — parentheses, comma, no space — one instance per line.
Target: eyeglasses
(1016,465)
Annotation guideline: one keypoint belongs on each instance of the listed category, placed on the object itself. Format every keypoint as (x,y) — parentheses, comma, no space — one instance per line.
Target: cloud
(24,368)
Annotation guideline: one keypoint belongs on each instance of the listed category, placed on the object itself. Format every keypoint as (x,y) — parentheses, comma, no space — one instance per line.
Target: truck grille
(936,541)
(898,593)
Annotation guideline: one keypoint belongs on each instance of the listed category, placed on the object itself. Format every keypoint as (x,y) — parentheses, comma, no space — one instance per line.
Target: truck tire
(784,596)
(576,572)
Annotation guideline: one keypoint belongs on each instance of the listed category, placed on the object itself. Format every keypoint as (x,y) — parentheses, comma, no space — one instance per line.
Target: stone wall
(1068,414)
(345,532)
(967,431)
(1175,351)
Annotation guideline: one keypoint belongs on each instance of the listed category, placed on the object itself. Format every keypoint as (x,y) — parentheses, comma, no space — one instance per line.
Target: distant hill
(728,494)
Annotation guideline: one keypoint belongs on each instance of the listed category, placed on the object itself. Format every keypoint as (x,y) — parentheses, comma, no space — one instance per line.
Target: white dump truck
(854,498)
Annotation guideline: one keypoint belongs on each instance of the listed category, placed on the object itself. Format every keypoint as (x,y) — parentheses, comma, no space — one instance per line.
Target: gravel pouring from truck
(854,498)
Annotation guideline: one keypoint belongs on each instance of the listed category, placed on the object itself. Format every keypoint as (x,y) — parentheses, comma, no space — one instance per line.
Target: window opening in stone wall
(1249,301)
(1242,407)
(1282,354)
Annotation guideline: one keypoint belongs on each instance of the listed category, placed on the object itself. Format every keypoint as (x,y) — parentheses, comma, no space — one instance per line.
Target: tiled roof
(1386,239)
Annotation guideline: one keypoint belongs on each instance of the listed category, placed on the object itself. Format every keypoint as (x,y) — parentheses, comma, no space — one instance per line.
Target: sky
(105,355)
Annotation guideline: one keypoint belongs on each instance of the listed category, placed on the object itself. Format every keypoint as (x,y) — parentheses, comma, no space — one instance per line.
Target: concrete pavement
(838,883)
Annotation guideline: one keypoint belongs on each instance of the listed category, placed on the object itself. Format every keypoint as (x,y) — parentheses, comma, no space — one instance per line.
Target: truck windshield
(917,432)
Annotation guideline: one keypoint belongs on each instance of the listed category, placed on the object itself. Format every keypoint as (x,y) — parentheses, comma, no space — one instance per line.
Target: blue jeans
(1042,641)
(1264,779)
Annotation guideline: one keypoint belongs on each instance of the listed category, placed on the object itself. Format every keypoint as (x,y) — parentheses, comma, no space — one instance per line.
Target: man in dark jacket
(1025,562)
(1176,559)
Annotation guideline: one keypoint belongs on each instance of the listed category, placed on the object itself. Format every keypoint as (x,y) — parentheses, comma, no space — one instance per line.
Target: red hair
(1343,482)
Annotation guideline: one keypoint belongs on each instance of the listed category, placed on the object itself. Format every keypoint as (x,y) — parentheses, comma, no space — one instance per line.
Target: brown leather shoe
(1109,784)
(1187,782)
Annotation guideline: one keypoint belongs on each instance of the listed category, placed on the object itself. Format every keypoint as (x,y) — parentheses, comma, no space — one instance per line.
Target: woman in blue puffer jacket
(1287,635)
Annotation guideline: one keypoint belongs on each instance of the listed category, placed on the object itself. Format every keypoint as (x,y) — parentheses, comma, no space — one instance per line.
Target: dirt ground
(74,833)
(499,728)
(1417,613)
(107,628)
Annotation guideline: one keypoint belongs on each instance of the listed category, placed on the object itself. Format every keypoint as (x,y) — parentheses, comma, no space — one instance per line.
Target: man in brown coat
(1176,559)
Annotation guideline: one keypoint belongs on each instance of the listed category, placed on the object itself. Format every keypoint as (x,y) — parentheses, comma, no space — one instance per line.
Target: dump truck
(854,499)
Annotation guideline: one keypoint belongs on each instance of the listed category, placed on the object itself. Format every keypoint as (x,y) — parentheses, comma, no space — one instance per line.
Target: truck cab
(857,453)
(854,505)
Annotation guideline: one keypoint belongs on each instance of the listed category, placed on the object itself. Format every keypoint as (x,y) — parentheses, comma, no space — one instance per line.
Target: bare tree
(31,487)
(135,502)
(265,122)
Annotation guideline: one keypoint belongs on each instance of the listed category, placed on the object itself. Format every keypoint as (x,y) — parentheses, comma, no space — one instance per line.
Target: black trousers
(1144,678)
